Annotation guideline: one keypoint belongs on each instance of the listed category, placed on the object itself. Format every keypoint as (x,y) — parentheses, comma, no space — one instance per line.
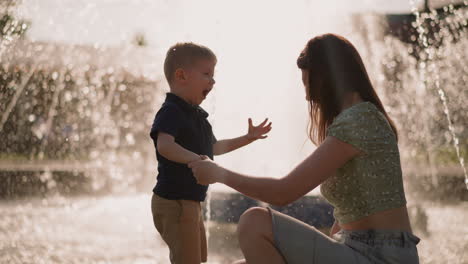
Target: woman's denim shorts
(300,243)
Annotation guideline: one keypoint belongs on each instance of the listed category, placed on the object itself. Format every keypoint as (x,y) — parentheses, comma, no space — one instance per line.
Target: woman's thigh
(301,243)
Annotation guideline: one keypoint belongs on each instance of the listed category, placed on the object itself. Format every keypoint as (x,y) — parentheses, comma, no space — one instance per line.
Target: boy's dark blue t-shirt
(191,130)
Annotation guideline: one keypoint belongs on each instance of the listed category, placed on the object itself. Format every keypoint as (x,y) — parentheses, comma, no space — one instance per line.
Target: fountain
(77,165)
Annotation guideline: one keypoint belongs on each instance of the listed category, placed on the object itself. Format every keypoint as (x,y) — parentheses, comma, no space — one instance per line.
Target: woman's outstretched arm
(321,164)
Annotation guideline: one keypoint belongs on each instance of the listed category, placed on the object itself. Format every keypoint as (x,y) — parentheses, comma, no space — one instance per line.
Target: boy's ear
(179,74)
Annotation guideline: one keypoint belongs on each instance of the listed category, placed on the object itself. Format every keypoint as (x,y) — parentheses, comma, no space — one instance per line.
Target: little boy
(181,134)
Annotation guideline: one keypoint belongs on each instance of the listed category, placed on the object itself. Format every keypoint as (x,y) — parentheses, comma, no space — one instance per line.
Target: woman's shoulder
(358,111)
(360,125)
(362,114)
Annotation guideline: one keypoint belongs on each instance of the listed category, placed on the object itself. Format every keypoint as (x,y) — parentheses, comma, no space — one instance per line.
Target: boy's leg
(204,243)
(193,240)
(180,224)
(166,215)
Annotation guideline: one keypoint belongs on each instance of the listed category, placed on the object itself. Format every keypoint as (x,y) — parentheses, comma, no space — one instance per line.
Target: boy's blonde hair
(183,55)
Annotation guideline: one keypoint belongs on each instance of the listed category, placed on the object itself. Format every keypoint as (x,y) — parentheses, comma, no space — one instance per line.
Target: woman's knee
(254,221)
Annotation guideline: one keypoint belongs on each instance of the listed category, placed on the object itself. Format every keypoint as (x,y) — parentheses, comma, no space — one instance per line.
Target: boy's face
(199,80)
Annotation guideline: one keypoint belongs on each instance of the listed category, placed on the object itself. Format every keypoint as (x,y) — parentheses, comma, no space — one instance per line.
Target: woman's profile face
(305,81)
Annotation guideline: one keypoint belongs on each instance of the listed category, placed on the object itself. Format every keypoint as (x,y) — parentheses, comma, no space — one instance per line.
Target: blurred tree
(140,40)
(9,25)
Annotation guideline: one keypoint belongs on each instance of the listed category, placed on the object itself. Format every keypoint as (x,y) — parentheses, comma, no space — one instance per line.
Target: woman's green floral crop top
(372,181)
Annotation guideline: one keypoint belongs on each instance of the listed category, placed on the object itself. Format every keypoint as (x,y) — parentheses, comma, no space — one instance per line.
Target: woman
(356,162)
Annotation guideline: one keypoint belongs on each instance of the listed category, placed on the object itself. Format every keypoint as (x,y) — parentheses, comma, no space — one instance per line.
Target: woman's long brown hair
(335,68)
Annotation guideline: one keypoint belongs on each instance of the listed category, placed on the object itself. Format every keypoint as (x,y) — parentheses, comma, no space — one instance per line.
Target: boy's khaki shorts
(180,224)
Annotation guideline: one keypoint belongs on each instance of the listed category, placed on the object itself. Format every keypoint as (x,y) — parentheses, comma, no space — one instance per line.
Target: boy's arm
(169,149)
(254,133)
(228,145)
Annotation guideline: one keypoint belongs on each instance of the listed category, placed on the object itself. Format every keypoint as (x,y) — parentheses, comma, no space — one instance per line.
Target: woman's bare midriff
(393,219)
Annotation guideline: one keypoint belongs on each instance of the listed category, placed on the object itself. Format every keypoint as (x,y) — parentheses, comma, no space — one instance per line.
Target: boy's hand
(260,131)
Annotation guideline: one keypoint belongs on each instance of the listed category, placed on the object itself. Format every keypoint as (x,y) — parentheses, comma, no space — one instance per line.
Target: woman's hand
(258,132)
(206,171)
